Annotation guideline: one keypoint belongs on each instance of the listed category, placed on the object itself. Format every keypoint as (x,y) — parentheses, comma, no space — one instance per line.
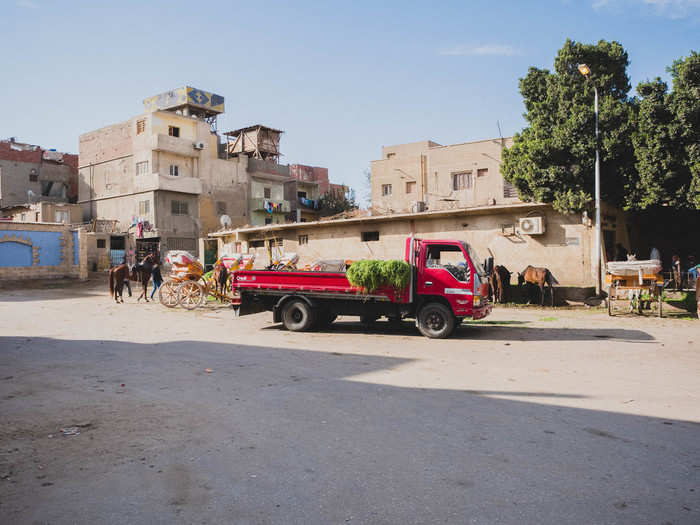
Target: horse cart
(639,284)
(187,286)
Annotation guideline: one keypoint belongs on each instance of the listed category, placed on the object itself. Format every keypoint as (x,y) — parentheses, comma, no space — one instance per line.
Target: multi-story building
(29,174)
(425,175)
(168,178)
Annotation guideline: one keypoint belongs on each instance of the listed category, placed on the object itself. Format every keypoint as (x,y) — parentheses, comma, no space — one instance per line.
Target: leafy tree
(667,142)
(337,201)
(552,160)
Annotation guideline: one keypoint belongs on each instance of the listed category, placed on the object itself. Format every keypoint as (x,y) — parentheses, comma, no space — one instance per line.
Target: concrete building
(50,212)
(564,244)
(167,178)
(31,173)
(428,176)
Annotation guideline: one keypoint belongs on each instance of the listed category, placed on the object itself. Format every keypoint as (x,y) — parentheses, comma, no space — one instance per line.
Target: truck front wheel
(297,316)
(436,321)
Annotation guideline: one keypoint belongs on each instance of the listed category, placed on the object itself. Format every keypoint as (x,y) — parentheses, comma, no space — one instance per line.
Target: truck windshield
(475,260)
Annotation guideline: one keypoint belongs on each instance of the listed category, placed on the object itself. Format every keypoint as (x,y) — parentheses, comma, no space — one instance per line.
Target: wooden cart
(639,284)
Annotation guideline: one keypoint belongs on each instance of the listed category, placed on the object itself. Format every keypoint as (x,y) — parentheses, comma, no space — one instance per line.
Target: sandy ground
(534,416)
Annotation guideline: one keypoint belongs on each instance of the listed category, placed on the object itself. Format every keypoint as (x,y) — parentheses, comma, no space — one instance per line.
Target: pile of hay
(370,275)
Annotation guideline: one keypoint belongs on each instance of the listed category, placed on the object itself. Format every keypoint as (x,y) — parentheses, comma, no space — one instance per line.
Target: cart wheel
(167,294)
(190,295)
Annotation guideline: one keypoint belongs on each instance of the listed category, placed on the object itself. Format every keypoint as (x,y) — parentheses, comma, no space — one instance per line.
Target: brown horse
(540,277)
(220,276)
(140,273)
(499,281)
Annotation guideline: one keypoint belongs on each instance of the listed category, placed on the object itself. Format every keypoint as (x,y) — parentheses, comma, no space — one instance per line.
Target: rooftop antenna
(500,134)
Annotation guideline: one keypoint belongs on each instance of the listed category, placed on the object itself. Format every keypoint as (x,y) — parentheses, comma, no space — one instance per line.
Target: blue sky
(341,78)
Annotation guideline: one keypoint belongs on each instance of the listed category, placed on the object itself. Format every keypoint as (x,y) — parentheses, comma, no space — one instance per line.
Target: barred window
(140,126)
(179,208)
(462,180)
(142,168)
(182,243)
(482,172)
(303,239)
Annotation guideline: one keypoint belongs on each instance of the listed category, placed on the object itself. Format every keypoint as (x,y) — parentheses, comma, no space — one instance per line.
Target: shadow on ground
(496,330)
(201,432)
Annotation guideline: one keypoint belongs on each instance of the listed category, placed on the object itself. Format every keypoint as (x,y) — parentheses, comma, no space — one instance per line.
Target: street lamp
(586,72)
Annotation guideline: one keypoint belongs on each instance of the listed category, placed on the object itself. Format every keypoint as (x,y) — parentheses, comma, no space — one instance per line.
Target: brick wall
(53,251)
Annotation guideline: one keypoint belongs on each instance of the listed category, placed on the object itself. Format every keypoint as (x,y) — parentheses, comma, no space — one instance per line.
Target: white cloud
(674,9)
(27,4)
(494,50)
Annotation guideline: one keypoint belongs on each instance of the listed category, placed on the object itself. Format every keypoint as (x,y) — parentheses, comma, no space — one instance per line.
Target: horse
(540,277)
(499,282)
(140,273)
(220,276)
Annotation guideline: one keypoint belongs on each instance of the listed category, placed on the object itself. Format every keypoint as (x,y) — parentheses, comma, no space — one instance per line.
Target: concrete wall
(41,251)
(423,171)
(565,248)
(45,212)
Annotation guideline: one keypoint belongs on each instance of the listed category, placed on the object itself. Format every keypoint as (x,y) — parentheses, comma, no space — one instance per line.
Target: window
(182,243)
(142,168)
(140,126)
(268,220)
(267,193)
(482,172)
(101,243)
(220,208)
(448,257)
(178,208)
(23,217)
(301,194)
(390,155)
(62,216)
(411,187)
(509,190)
(462,180)
(303,239)
(174,170)
(256,244)
(370,236)
(386,190)
(173,131)
(33,175)
(144,207)
(238,247)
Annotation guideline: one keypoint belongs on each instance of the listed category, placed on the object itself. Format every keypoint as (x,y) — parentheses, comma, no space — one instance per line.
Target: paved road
(539,417)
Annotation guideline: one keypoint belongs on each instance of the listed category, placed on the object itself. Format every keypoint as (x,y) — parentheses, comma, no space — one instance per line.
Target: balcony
(308,204)
(176,145)
(154,181)
(258,204)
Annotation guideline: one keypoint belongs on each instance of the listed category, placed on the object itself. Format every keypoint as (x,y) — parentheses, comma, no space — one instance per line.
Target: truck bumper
(481,311)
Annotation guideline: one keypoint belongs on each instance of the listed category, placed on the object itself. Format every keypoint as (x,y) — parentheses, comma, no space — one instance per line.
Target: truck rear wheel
(297,316)
(435,320)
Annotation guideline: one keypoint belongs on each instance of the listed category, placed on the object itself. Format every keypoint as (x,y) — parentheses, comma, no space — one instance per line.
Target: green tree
(337,201)
(552,159)
(667,141)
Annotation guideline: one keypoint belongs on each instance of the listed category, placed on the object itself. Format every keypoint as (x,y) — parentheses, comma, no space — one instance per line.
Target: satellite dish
(225,221)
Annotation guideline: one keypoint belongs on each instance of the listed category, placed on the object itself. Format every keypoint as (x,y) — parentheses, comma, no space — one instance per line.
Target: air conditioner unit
(532,225)
(198,145)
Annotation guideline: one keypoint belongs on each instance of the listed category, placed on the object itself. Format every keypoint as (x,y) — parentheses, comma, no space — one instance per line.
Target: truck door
(446,271)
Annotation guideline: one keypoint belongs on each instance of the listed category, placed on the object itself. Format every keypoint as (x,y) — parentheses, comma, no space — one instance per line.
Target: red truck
(447,285)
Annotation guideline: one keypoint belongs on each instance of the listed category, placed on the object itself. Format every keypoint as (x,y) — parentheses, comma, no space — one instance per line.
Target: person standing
(157,278)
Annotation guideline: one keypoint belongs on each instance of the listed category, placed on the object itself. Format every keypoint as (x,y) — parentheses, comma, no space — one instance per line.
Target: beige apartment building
(425,175)
(168,178)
